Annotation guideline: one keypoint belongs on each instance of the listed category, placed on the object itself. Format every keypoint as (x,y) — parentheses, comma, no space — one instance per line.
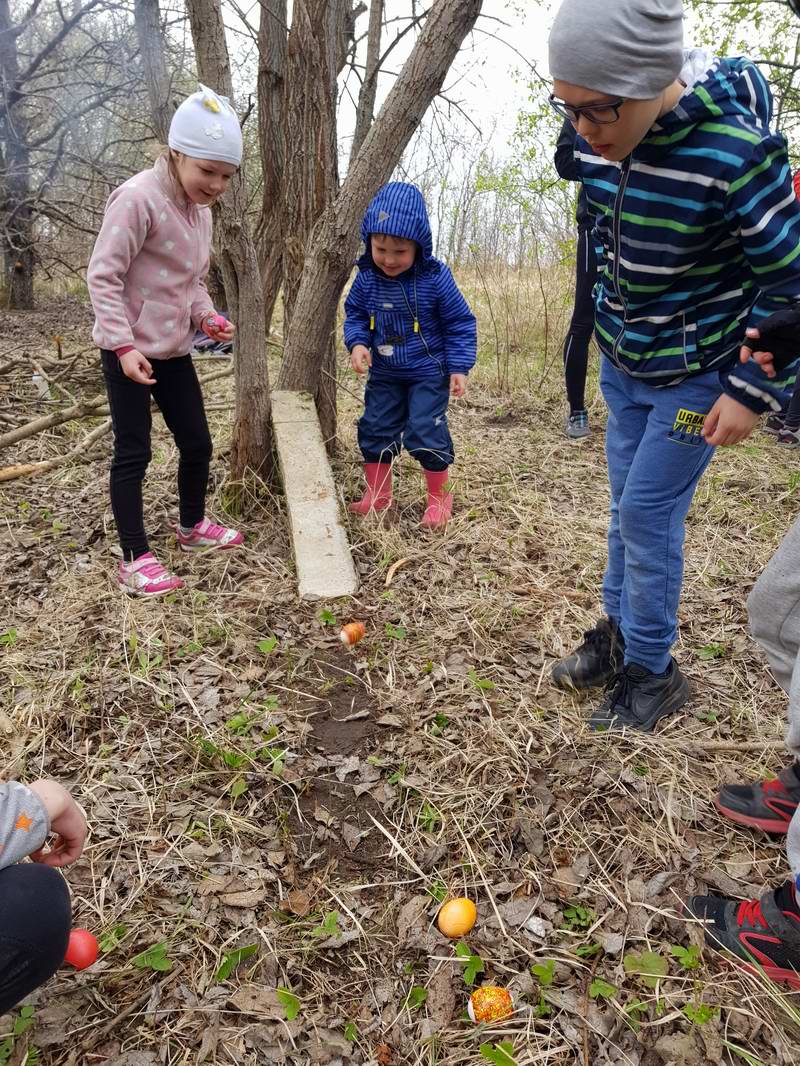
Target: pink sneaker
(208,535)
(146,576)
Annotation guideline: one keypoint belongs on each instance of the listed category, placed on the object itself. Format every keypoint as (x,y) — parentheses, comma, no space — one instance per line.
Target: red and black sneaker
(763,934)
(767,805)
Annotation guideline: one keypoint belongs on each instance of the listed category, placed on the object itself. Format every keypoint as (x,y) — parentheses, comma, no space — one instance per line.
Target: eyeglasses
(601,114)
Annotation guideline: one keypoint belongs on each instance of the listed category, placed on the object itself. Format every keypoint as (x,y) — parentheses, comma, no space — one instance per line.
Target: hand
(779,335)
(728,422)
(458,384)
(212,325)
(67,824)
(360,358)
(137,368)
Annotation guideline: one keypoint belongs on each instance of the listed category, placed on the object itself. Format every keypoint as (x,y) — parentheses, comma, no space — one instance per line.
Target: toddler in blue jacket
(407,323)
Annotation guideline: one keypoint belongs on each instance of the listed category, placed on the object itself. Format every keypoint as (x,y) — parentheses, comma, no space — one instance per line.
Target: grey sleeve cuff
(24,822)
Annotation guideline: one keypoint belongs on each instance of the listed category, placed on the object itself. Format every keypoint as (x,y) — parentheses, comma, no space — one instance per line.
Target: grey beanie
(628,48)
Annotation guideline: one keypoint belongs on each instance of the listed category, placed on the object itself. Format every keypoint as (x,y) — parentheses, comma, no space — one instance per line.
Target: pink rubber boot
(378,495)
(440,502)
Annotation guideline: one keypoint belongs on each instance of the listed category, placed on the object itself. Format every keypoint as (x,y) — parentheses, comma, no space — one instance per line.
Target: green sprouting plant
(578,918)
(416,997)
(482,683)
(501,1054)
(238,787)
(395,632)
(351,1032)
(544,972)
(688,958)
(329,926)
(712,651)
(430,817)
(8,637)
(268,645)
(290,1003)
(154,958)
(600,989)
(648,966)
(473,964)
(232,959)
(700,1014)
(588,951)
(328,618)
(111,938)
(438,725)
(437,889)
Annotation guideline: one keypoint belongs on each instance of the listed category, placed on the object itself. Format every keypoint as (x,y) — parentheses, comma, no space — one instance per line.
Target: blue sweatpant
(656,457)
(410,414)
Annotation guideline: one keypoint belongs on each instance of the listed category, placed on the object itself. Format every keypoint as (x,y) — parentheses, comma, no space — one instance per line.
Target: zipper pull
(416,326)
(372,322)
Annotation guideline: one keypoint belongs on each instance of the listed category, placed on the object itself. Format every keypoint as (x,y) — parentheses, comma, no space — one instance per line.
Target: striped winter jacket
(700,231)
(417,325)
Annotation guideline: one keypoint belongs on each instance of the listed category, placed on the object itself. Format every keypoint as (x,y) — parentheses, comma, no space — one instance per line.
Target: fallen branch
(79,410)
(11,473)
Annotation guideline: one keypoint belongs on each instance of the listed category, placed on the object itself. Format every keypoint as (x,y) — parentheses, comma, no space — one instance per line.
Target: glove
(780,335)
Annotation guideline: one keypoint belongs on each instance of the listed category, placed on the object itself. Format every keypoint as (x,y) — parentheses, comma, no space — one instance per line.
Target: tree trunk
(369,86)
(252,448)
(333,242)
(310,167)
(149,34)
(15,176)
(269,229)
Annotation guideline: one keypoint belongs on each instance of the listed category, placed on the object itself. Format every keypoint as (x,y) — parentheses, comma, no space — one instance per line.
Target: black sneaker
(638,698)
(773,425)
(763,935)
(594,662)
(767,805)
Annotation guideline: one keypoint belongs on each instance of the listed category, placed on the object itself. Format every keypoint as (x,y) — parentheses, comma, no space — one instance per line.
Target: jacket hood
(719,90)
(398,210)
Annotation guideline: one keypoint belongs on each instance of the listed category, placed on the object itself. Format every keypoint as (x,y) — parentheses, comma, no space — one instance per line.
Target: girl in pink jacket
(147,285)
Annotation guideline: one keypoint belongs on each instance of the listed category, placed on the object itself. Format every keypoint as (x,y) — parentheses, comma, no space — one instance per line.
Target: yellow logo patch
(688,427)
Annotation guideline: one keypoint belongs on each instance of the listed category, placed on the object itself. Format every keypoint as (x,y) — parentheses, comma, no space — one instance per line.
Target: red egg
(81,950)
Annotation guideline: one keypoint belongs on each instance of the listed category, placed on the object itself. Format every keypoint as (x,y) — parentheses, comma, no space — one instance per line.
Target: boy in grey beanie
(698,222)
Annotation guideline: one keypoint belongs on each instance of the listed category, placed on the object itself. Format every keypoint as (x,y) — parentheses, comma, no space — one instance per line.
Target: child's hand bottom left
(458,384)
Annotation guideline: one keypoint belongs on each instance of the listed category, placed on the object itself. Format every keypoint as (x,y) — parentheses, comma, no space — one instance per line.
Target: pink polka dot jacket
(147,272)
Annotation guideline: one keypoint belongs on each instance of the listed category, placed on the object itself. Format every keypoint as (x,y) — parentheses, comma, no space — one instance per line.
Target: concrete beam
(322,554)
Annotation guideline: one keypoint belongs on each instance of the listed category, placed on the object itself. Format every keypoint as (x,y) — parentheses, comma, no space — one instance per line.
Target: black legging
(35,920)
(180,400)
(791,416)
(576,346)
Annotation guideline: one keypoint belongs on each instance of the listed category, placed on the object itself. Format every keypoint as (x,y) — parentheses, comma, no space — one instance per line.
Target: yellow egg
(457,917)
(490,1004)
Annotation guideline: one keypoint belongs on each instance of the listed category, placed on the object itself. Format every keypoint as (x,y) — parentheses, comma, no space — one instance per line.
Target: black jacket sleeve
(565,153)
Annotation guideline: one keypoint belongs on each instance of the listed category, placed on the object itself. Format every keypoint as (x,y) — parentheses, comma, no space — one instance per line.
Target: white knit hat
(205,126)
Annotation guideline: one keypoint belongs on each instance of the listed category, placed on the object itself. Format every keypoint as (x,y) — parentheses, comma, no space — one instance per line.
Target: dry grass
(434,758)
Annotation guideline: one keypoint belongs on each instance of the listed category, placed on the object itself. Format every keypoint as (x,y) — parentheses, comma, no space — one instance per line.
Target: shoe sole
(208,547)
(768,825)
(676,701)
(142,595)
(568,684)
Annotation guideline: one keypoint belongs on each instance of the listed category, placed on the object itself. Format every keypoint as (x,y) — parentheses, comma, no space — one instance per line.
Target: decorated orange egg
(457,917)
(490,1004)
(352,633)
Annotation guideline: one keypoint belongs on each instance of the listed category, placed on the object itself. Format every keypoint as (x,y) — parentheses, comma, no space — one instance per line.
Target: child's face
(392,255)
(203,180)
(615,140)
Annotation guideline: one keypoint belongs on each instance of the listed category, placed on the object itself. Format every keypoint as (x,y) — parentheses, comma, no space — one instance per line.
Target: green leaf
(600,989)
(232,960)
(648,966)
(395,632)
(154,958)
(238,788)
(110,940)
(24,1021)
(8,636)
(712,651)
(501,1054)
(438,890)
(268,645)
(289,1002)
(544,972)
(416,997)
(328,618)
(700,1015)
(588,951)
(351,1032)
(329,926)
(483,683)
(474,963)
(688,958)
(743,1053)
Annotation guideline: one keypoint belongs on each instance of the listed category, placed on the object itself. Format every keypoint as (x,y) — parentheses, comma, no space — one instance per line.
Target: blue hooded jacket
(700,229)
(417,325)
